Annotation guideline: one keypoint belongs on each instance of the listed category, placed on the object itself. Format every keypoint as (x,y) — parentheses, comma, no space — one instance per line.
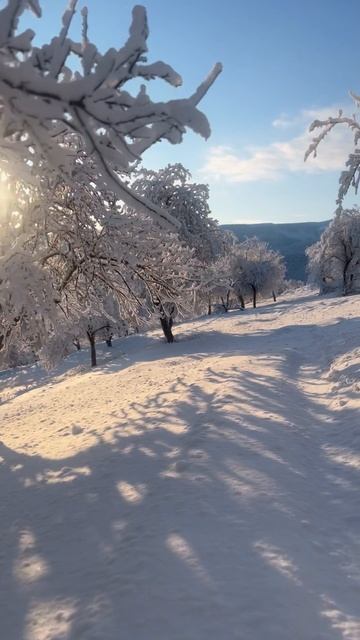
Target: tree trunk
(194,302)
(91,337)
(254,295)
(347,282)
(242,301)
(166,325)
(274,296)
(224,304)
(108,337)
(209,307)
(77,344)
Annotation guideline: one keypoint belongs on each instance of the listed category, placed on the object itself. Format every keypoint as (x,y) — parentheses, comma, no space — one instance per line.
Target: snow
(203,490)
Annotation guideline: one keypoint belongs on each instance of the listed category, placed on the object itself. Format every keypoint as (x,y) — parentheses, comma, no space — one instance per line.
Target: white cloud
(274,160)
(304,117)
(284,121)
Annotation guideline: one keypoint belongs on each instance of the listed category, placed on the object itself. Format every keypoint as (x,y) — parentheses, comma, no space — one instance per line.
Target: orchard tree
(256,269)
(28,311)
(170,286)
(187,202)
(25,289)
(49,111)
(72,247)
(334,261)
(217,279)
(216,284)
(101,323)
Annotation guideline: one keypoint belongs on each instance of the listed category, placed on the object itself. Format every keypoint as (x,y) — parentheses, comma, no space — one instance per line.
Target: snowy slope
(206,490)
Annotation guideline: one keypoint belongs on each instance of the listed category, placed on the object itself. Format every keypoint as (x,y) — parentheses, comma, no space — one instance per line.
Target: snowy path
(207,490)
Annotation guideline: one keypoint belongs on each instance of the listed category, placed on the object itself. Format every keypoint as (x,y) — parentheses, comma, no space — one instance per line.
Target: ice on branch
(45,105)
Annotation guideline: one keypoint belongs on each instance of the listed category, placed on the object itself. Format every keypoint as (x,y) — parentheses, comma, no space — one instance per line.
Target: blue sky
(285,63)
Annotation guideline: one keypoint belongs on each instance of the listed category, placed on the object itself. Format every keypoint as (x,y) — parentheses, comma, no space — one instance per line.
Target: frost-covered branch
(44,102)
(350,177)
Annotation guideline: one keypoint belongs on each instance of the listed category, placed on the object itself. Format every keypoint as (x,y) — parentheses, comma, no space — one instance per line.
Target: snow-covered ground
(205,490)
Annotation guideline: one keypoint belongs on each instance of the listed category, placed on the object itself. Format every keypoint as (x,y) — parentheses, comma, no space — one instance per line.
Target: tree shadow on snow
(219,515)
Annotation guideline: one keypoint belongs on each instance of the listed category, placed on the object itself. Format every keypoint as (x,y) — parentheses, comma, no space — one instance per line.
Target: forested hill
(290,239)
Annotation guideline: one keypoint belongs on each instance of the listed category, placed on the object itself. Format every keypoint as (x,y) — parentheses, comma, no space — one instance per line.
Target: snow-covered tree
(100,322)
(175,271)
(50,111)
(256,269)
(71,248)
(27,303)
(215,285)
(71,135)
(24,287)
(171,189)
(334,261)
(187,202)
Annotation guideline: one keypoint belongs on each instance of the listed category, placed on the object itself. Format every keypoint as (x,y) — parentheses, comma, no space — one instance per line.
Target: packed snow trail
(205,490)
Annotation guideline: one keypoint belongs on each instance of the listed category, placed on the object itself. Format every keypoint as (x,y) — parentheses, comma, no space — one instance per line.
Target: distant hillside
(290,240)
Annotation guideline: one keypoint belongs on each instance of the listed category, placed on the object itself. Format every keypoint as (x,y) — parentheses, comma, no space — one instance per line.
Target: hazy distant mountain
(290,240)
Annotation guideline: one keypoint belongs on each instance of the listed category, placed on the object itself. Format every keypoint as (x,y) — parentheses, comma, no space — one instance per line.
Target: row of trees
(244,272)
(91,244)
(74,259)
(75,262)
